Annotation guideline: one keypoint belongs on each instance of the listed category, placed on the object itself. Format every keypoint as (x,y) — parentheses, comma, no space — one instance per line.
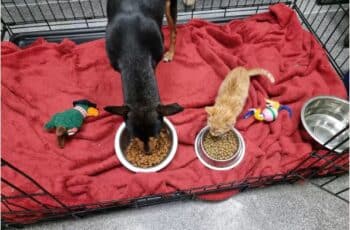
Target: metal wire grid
(327,185)
(32,18)
(330,25)
(48,15)
(319,162)
(323,2)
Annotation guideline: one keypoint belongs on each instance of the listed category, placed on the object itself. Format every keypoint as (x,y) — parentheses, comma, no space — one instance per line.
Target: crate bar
(309,27)
(327,162)
(330,192)
(203,5)
(335,28)
(346,165)
(237,3)
(102,8)
(337,42)
(22,196)
(43,15)
(61,9)
(333,163)
(34,182)
(84,34)
(341,191)
(180,195)
(5,199)
(192,11)
(257,8)
(313,7)
(322,2)
(51,11)
(9,14)
(71,8)
(23,192)
(307,5)
(3,29)
(220,5)
(330,181)
(253,4)
(43,24)
(4,203)
(30,11)
(150,200)
(92,9)
(314,152)
(301,4)
(346,11)
(330,22)
(226,7)
(338,54)
(345,61)
(82,10)
(211,4)
(319,10)
(19,12)
(329,7)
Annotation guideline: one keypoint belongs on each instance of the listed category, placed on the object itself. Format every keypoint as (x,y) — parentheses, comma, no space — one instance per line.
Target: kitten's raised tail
(259,71)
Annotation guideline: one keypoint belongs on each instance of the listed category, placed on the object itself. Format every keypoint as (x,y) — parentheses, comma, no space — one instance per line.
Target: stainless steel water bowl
(325,116)
(122,141)
(219,164)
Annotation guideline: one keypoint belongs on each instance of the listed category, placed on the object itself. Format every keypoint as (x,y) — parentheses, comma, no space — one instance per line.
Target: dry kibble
(222,147)
(159,150)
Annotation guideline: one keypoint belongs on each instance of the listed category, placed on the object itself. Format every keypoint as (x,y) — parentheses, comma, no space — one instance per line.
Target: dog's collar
(81,110)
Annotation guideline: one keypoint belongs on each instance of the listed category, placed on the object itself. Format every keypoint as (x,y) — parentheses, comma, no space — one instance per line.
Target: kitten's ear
(210,110)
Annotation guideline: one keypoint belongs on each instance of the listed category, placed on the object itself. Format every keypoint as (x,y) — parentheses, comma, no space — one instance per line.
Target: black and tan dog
(123,15)
(134,43)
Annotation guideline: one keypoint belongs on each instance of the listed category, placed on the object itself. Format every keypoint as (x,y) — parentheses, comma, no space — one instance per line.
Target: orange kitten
(231,98)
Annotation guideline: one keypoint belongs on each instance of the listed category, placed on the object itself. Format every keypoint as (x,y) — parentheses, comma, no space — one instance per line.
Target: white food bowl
(121,142)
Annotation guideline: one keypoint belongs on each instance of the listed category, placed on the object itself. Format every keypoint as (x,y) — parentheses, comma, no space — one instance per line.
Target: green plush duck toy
(68,123)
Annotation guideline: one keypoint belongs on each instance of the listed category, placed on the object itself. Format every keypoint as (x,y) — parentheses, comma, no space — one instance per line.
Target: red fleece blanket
(45,78)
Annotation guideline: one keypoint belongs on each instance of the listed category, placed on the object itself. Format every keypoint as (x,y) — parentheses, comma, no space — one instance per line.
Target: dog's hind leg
(171,15)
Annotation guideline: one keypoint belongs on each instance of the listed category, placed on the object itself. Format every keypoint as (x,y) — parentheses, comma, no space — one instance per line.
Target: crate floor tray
(45,78)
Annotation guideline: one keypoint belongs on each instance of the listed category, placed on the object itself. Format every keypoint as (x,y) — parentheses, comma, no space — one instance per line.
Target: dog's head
(144,123)
(127,38)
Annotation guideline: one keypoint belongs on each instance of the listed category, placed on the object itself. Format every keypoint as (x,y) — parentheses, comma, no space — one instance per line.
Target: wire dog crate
(23,21)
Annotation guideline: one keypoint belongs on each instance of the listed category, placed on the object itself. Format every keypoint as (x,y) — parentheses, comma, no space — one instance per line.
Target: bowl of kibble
(131,155)
(220,152)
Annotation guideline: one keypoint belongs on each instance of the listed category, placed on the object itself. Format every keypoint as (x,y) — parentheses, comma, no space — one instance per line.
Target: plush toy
(68,123)
(270,113)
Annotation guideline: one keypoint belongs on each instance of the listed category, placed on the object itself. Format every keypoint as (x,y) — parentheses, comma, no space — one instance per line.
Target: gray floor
(283,207)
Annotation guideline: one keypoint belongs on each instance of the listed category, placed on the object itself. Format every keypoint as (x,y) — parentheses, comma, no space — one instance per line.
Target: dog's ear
(117,110)
(171,109)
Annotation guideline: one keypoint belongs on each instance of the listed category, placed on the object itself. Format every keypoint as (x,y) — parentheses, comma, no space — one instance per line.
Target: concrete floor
(283,207)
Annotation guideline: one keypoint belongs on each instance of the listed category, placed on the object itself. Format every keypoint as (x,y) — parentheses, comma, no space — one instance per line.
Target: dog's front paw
(168,56)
